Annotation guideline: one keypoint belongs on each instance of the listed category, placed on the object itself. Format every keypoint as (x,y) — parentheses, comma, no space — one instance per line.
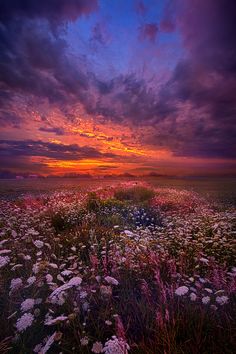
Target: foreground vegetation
(125,269)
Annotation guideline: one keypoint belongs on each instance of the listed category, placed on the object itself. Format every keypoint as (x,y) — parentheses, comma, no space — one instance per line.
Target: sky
(121,86)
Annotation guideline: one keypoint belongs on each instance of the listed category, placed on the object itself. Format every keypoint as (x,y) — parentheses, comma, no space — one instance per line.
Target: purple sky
(118,86)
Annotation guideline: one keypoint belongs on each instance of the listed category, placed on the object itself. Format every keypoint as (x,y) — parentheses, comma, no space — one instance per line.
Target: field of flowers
(117,270)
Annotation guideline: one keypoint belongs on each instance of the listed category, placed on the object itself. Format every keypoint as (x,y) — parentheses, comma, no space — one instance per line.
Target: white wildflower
(16,283)
(4,261)
(208,290)
(206,300)
(13,233)
(182,290)
(193,297)
(49,278)
(48,344)
(84,341)
(37,348)
(59,299)
(27,305)
(38,243)
(111,280)
(24,322)
(5,252)
(66,273)
(83,294)
(53,265)
(204,260)
(222,300)
(31,280)
(106,290)
(27,257)
(97,347)
(116,346)
(76,281)
(50,322)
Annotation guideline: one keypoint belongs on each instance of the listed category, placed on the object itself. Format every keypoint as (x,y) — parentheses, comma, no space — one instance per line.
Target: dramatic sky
(113,86)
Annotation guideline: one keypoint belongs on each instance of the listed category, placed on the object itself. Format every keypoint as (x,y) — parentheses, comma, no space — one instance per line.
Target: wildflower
(27,305)
(66,272)
(84,341)
(222,300)
(14,234)
(48,344)
(38,243)
(193,297)
(116,346)
(204,260)
(108,323)
(97,347)
(37,348)
(105,290)
(53,265)
(52,321)
(59,299)
(76,281)
(24,322)
(206,300)
(208,290)
(4,261)
(15,284)
(31,280)
(49,278)
(27,257)
(5,252)
(214,307)
(111,280)
(83,294)
(182,290)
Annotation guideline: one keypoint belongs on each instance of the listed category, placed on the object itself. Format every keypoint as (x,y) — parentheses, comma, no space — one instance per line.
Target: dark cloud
(15,148)
(149,32)
(35,62)
(10,119)
(34,58)
(106,167)
(140,8)
(100,35)
(128,99)
(53,10)
(205,81)
(54,130)
(20,164)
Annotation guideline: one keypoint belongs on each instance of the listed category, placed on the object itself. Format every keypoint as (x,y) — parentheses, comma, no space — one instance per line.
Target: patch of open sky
(109,41)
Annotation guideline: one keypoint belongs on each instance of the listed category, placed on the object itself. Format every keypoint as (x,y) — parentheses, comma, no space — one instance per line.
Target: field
(118,267)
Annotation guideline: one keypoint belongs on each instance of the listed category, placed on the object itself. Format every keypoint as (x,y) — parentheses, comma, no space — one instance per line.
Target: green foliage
(93,202)
(59,223)
(135,194)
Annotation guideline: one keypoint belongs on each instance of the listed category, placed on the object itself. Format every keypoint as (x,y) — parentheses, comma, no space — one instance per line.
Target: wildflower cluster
(89,273)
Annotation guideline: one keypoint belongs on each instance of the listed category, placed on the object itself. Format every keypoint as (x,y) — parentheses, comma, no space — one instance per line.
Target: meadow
(117,267)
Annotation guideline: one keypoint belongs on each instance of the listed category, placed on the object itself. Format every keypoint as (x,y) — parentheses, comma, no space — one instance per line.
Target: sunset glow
(113,87)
